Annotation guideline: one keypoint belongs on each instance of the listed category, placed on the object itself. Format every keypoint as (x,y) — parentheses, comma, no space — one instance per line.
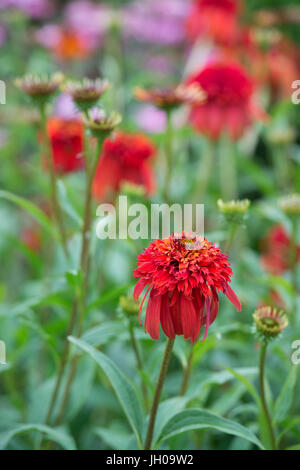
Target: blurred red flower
(32,238)
(124,158)
(229,105)
(183,275)
(66,138)
(216,19)
(275,248)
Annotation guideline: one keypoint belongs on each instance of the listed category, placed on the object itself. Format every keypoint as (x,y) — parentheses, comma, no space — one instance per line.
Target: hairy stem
(77,303)
(80,303)
(139,361)
(228,176)
(53,185)
(158,390)
(262,393)
(187,372)
(168,154)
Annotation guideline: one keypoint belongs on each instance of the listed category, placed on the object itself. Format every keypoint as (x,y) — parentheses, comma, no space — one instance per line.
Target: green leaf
(248,385)
(55,434)
(124,390)
(66,204)
(166,410)
(192,419)
(108,296)
(113,438)
(285,397)
(101,334)
(33,210)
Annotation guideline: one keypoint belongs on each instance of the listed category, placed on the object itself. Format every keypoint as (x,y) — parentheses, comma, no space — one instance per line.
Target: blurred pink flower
(151,119)
(92,20)
(33,8)
(156,21)
(64,107)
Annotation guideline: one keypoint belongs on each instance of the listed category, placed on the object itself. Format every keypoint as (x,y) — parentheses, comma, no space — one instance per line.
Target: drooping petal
(153,314)
(176,318)
(231,295)
(207,304)
(139,287)
(214,305)
(188,316)
(166,317)
(142,303)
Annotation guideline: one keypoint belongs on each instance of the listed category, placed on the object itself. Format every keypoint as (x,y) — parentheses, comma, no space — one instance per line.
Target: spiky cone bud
(86,93)
(40,88)
(170,98)
(290,205)
(269,322)
(100,124)
(234,211)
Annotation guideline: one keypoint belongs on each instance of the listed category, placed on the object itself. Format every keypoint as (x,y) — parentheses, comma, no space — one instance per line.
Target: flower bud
(86,93)
(100,124)
(269,322)
(129,305)
(290,205)
(40,88)
(234,211)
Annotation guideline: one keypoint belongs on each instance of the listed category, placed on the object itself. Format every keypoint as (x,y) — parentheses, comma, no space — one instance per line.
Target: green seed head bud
(100,124)
(40,88)
(129,305)
(135,191)
(86,92)
(269,322)
(290,205)
(281,135)
(234,211)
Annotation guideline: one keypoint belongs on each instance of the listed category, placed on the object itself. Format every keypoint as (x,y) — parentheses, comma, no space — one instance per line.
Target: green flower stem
(205,171)
(228,175)
(78,303)
(187,372)
(53,184)
(262,393)
(231,235)
(294,263)
(168,155)
(158,390)
(281,166)
(138,360)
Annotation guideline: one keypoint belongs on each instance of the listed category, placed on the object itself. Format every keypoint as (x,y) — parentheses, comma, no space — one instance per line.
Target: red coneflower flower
(184,275)
(276,251)
(66,138)
(216,19)
(125,158)
(228,106)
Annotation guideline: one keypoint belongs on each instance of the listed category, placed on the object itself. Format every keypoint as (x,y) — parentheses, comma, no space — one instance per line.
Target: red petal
(188,317)
(166,318)
(231,295)
(153,315)
(175,313)
(207,302)
(214,306)
(139,287)
(142,303)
